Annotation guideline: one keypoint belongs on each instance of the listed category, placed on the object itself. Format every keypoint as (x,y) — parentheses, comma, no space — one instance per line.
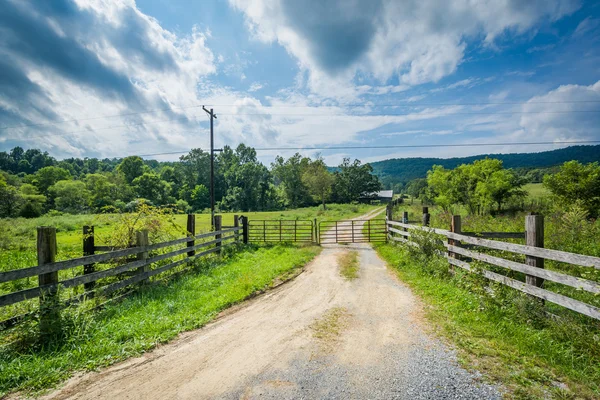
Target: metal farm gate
(352,231)
(281,230)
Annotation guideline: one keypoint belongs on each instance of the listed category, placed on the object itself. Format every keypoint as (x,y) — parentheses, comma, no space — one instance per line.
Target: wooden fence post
(244,229)
(455,227)
(142,241)
(49,310)
(534,233)
(316,232)
(89,248)
(218,226)
(236,224)
(191,228)
(389,212)
(425,216)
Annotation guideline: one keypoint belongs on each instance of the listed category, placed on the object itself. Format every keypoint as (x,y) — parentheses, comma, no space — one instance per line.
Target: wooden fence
(135,270)
(463,247)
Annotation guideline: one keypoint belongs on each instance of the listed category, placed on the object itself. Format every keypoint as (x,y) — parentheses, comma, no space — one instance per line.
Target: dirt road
(317,337)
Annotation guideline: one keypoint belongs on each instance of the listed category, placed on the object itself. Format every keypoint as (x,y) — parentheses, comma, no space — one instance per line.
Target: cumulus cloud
(417,40)
(68,60)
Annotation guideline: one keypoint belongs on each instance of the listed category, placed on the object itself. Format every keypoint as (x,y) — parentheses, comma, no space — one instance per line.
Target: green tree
(248,181)
(131,168)
(70,196)
(149,186)
(288,174)
(10,199)
(48,176)
(200,198)
(577,183)
(318,180)
(354,180)
(417,189)
(102,192)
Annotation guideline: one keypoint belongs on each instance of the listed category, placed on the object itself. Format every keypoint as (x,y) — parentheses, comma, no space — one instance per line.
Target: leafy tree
(70,196)
(150,186)
(195,168)
(353,180)
(248,181)
(131,168)
(33,202)
(288,173)
(10,199)
(417,189)
(477,186)
(48,176)
(102,191)
(318,180)
(577,183)
(200,198)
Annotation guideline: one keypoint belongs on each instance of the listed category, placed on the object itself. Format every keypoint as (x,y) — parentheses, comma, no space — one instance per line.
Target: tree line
(486,186)
(33,183)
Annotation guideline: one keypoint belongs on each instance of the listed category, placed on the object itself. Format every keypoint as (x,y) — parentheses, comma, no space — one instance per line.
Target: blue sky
(93,78)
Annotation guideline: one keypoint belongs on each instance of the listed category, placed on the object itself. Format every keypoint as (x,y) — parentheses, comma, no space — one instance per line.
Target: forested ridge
(402,170)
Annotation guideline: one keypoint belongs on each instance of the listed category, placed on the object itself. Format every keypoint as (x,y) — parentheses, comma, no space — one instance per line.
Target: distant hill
(402,170)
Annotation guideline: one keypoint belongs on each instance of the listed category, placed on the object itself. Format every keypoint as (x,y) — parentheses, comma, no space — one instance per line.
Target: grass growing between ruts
(150,317)
(348,262)
(533,356)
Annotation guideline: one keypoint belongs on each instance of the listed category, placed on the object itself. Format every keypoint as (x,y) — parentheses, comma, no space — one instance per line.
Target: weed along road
(337,331)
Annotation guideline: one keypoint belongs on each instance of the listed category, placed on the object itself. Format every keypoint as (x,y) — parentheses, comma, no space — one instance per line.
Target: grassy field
(20,233)
(535,357)
(150,317)
(536,190)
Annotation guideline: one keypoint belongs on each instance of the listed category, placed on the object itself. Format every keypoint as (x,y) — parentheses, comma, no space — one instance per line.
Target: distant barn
(383,196)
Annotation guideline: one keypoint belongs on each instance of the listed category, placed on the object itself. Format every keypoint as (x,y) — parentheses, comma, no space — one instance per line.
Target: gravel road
(317,337)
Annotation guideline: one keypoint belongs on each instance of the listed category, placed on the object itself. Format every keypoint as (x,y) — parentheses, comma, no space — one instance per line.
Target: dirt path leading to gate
(319,336)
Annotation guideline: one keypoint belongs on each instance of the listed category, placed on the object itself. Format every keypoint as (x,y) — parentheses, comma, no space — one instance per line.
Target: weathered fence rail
(465,246)
(130,272)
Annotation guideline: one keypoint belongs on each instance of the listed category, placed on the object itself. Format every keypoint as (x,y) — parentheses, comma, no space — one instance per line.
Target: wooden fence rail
(47,269)
(533,268)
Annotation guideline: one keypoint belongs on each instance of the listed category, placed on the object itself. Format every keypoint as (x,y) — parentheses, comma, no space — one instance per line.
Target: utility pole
(212,166)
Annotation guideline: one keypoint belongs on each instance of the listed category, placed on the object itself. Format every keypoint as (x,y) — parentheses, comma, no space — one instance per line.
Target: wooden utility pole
(212,166)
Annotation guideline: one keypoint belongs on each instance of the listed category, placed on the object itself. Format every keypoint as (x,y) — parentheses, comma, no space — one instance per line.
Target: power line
(341,106)
(416,114)
(393,146)
(412,114)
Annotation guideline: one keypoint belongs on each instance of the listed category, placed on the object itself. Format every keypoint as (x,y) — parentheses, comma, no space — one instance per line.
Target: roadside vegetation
(152,316)
(501,332)
(537,350)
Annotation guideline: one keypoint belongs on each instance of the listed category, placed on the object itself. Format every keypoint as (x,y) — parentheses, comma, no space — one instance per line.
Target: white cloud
(418,40)
(137,65)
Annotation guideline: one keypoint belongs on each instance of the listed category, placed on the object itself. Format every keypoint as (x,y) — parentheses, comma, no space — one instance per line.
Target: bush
(31,210)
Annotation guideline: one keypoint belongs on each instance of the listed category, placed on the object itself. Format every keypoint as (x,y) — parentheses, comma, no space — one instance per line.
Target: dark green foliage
(353,180)
(577,184)
(242,183)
